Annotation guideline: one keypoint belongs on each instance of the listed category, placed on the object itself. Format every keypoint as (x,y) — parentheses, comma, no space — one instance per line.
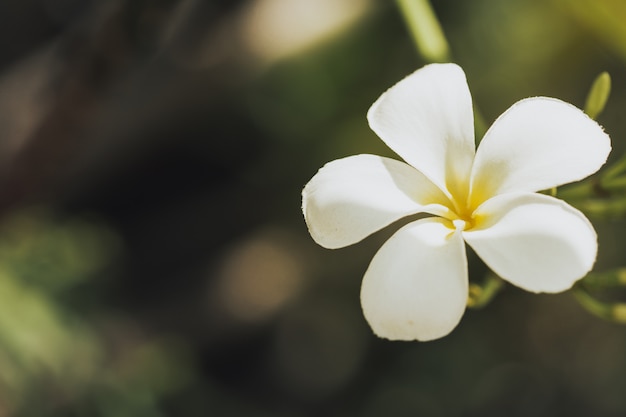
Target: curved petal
(416,286)
(534,241)
(427,119)
(538,143)
(350,198)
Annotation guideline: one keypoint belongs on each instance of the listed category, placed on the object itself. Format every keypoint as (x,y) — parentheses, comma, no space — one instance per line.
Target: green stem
(603,280)
(615,169)
(431,42)
(615,312)
(425,29)
(480,295)
(613,184)
(602,208)
(581,190)
(592,195)
(577,191)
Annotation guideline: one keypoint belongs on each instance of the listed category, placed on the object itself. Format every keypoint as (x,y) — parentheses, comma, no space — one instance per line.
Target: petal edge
(416,286)
(534,241)
(537,144)
(350,198)
(427,119)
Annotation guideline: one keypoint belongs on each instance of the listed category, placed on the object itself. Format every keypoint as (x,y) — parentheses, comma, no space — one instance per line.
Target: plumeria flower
(416,286)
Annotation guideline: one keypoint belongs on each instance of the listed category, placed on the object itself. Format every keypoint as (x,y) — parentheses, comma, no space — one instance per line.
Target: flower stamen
(459,224)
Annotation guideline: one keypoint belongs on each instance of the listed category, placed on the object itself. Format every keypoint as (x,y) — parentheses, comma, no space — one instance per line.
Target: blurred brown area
(154,260)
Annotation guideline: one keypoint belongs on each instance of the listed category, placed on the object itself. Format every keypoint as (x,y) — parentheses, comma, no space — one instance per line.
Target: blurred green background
(153,256)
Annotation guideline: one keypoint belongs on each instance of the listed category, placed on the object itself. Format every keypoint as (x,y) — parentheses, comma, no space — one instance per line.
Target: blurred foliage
(167,269)
(51,356)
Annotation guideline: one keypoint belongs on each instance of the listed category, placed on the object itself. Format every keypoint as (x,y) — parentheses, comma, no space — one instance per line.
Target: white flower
(416,286)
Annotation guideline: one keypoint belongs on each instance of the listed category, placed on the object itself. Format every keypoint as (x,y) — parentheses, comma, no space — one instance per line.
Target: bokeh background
(153,256)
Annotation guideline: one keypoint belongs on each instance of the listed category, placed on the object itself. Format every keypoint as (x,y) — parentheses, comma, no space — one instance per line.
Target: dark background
(153,256)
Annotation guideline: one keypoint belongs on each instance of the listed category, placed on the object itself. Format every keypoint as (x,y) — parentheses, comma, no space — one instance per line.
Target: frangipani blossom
(416,286)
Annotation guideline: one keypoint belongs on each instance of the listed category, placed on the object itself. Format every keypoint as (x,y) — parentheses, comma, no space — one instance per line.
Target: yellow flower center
(462,206)
(456,222)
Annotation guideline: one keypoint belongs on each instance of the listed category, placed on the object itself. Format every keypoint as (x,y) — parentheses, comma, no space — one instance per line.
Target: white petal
(351,198)
(416,286)
(539,143)
(427,119)
(536,242)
